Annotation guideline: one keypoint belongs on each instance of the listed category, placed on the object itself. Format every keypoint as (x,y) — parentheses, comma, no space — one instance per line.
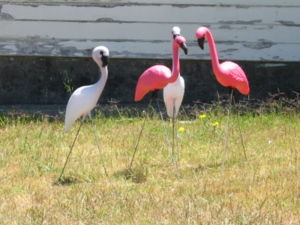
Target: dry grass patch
(209,187)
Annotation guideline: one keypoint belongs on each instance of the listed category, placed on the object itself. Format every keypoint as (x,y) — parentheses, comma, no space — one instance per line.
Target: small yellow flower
(181,129)
(215,124)
(202,116)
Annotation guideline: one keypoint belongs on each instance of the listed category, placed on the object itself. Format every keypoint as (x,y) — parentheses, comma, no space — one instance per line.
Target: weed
(67,82)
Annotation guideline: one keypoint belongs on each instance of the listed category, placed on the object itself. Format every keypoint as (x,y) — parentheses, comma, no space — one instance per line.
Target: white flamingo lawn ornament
(84,99)
(173,92)
(173,95)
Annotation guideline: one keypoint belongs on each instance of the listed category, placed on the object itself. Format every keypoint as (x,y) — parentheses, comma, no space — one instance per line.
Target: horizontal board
(243,29)
(141,13)
(177,2)
(138,49)
(149,32)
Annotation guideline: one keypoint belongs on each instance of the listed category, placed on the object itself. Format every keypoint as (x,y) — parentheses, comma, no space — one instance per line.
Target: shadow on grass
(215,166)
(209,166)
(137,175)
(200,168)
(65,181)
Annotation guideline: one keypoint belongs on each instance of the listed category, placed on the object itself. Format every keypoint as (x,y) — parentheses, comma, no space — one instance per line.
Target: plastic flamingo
(173,95)
(174,91)
(228,74)
(159,76)
(84,99)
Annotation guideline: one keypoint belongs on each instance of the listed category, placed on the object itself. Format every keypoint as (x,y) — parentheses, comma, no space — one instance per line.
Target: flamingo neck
(102,81)
(175,64)
(213,51)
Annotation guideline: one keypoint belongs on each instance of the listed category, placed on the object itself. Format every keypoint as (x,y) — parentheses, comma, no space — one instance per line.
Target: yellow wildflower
(215,124)
(181,129)
(202,116)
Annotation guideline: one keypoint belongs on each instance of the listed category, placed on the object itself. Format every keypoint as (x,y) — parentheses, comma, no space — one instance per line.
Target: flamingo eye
(101,53)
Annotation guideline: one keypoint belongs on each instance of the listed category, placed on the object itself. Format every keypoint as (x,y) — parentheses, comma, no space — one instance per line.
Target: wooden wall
(254,30)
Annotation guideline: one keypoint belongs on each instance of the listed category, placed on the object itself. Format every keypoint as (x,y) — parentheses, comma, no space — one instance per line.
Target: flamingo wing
(235,77)
(154,78)
(81,102)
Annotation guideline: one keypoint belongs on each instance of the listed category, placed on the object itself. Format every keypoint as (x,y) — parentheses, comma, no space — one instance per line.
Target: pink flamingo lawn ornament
(228,74)
(159,76)
(85,98)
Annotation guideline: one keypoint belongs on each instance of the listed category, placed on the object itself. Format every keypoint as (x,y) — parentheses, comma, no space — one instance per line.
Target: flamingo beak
(201,42)
(184,48)
(104,61)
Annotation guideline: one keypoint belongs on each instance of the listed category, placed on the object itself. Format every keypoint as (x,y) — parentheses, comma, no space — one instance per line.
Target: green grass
(209,187)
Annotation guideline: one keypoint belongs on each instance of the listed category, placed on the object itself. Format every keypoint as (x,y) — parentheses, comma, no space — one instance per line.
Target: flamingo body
(228,74)
(81,103)
(85,98)
(173,95)
(232,75)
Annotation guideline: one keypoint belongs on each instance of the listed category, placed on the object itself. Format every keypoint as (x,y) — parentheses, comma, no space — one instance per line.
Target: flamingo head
(179,40)
(100,55)
(175,31)
(200,35)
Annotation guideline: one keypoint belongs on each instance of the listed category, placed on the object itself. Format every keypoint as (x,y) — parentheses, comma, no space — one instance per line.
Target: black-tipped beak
(104,60)
(184,48)
(201,42)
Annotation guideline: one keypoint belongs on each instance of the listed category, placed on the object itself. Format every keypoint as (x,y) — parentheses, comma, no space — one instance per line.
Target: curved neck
(103,78)
(175,64)
(213,51)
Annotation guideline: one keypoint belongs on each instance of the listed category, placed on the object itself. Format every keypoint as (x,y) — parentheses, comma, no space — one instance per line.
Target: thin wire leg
(97,142)
(174,155)
(240,132)
(164,126)
(242,139)
(137,144)
(227,127)
(71,148)
(138,140)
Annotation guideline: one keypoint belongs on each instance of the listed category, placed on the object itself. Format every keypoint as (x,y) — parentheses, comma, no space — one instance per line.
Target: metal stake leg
(138,140)
(97,142)
(71,148)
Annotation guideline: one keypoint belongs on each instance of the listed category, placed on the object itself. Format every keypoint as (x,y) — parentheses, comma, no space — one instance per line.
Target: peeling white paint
(247,30)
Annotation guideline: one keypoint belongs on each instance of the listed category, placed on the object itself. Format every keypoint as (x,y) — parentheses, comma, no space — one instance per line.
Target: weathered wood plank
(141,13)
(146,32)
(138,49)
(246,30)
(173,2)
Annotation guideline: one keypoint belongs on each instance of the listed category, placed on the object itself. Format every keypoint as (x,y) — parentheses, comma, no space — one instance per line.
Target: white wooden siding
(243,29)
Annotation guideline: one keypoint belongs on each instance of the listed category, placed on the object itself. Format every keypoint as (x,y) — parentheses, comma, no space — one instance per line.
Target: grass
(210,187)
